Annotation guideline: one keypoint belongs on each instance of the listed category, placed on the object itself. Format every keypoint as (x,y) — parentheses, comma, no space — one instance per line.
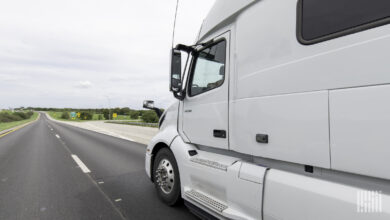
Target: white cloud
(121,46)
(83,84)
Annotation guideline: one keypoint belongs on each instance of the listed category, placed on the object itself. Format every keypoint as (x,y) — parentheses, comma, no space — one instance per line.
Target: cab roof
(221,11)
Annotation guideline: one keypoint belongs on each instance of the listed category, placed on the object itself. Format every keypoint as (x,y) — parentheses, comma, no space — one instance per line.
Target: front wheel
(167,179)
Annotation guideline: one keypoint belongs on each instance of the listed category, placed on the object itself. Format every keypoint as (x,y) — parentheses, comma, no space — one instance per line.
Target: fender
(168,132)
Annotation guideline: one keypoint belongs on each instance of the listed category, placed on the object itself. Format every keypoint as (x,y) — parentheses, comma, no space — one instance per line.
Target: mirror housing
(149,104)
(175,81)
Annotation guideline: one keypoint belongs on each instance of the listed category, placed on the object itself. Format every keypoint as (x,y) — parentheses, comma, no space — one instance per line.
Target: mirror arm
(185,48)
(158,111)
(179,96)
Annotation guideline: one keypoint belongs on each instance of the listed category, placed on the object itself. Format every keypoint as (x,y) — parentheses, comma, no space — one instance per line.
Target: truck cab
(282,113)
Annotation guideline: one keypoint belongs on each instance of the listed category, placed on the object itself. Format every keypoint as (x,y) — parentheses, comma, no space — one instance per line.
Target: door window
(209,69)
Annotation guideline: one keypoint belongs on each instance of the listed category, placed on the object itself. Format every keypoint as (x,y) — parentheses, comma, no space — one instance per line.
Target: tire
(167,179)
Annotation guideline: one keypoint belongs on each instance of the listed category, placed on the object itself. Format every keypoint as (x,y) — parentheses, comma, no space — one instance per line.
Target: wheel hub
(165,177)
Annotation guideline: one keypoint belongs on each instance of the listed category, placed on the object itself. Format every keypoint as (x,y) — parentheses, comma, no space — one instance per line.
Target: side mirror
(149,104)
(175,82)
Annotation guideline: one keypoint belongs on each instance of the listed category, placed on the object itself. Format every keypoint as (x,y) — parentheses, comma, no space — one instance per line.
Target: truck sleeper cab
(282,113)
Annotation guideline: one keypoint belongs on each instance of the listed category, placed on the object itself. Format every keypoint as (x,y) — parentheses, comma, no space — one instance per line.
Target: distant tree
(85,116)
(149,117)
(106,114)
(100,117)
(134,114)
(65,115)
(125,111)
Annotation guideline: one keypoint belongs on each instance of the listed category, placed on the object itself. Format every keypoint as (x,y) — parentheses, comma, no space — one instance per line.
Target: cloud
(47,56)
(83,85)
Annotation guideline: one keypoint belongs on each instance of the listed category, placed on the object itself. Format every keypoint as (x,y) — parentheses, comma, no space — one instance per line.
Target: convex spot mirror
(176,84)
(148,104)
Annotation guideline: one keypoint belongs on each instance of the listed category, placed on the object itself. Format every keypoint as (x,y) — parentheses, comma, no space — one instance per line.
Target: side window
(323,20)
(209,70)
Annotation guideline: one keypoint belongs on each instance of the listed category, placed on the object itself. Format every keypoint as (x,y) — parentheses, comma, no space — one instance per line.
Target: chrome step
(206,201)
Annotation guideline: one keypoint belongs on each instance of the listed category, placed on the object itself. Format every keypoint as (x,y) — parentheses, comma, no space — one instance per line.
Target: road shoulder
(137,134)
(10,130)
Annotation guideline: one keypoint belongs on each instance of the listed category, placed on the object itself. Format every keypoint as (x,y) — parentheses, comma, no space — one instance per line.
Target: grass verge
(8,125)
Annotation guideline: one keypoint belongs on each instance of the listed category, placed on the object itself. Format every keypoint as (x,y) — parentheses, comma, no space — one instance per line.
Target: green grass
(128,120)
(124,117)
(8,125)
(96,116)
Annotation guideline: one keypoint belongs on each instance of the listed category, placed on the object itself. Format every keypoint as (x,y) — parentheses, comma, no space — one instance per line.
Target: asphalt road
(39,178)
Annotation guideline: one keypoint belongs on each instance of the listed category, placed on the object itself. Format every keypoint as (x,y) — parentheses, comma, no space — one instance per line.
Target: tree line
(15,116)
(148,116)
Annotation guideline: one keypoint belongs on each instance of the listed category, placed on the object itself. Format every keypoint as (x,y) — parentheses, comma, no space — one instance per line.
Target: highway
(40,178)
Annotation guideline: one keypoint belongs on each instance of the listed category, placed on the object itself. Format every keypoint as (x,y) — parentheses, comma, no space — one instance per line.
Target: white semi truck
(283,112)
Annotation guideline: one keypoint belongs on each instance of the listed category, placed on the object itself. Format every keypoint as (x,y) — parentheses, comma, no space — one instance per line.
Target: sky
(91,53)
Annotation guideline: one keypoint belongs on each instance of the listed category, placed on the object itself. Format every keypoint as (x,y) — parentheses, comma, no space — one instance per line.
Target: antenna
(174,22)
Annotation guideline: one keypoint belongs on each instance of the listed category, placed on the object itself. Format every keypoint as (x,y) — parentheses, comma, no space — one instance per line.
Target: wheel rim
(165,176)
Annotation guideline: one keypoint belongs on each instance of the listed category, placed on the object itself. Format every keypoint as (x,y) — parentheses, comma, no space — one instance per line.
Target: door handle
(262,138)
(188,110)
(219,133)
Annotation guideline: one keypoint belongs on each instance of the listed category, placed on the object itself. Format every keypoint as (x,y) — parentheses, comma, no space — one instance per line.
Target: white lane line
(80,163)
(100,182)
(118,200)
(57,136)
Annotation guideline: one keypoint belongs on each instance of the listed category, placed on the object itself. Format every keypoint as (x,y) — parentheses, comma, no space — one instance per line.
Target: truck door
(205,108)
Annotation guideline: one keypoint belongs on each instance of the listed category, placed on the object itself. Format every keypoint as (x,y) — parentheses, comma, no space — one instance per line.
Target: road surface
(40,178)
(129,132)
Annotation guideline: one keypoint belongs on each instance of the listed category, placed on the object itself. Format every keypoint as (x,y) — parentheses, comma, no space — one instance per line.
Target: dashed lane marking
(80,164)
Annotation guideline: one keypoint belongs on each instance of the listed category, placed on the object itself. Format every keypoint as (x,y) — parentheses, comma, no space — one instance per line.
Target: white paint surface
(80,163)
